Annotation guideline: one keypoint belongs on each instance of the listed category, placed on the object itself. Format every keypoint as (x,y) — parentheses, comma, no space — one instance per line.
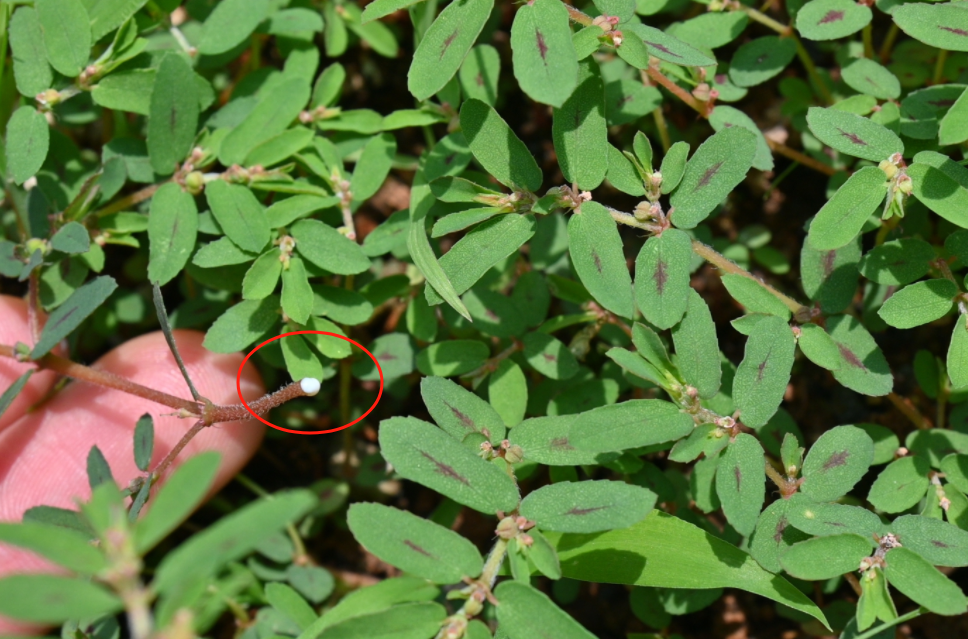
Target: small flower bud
(514,454)
(889,168)
(507,528)
(194,182)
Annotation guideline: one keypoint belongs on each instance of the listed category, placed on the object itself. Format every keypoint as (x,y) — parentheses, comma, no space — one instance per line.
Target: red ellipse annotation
(238,383)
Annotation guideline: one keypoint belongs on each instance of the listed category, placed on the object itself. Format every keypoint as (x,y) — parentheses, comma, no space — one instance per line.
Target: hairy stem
(802,158)
(715,258)
(867,35)
(766,20)
(581,18)
(939,67)
(888,44)
(808,64)
(909,411)
(700,107)
(160,469)
(660,124)
(129,201)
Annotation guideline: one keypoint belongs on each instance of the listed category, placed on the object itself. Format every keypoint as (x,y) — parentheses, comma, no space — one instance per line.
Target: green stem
(660,124)
(128,201)
(808,64)
(581,18)
(939,67)
(908,411)
(868,36)
(802,158)
(766,20)
(718,260)
(888,44)
(876,630)
(297,542)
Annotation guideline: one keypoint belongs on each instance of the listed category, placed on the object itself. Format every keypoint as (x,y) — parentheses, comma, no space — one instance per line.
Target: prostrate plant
(517,282)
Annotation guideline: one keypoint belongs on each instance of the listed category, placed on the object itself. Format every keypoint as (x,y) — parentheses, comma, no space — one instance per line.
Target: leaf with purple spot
(939,25)
(423,453)
(762,377)
(587,506)
(549,356)
(741,482)
(832,19)
(825,519)
(715,169)
(630,424)
(662,278)
(773,535)
(864,368)
(542,52)
(942,544)
(725,116)
(415,545)
(445,45)
(598,256)
(901,485)
(667,48)
(761,59)
(853,134)
(836,462)
(546,440)
(460,412)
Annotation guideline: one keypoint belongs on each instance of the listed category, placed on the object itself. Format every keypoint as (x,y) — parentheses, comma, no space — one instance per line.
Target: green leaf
(182,493)
(297,295)
(761,59)
(452,357)
(425,454)
(262,277)
(825,520)
(30,67)
(864,368)
(460,412)
(667,47)
(69,315)
(173,114)
(668,552)
(525,612)
(853,134)
(831,19)
(172,229)
(373,166)
(480,73)
(507,392)
(662,277)
(28,138)
(312,582)
(941,25)
(242,325)
(630,424)
(546,440)
(67,34)
(270,117)
(288,602)
(13,391)
(483,247)
(897,262)
(543,54)
(824,558)
(445,45)
(741,482)
(870,78)
(280,147)
(72,238)
(942,185)
(674,166)
(773,535)
(836,462)
(627,101)
(549,356)
(51,599)
(919,303)
(587,506)
(407,621)
(63,546)
(954,125)
(940,543)
(922,582)
(695,340)
(830,277)
(901,485)
(715,169)
(413,544)
(958,354)
(230,538)
(382,8)
(578,128)
(230,24)
(725,116)
(597,256)
(819,347)
(754,296)
(144,442)
(239,214)
(329,249)
(844,214)
(762,377)
(497,148)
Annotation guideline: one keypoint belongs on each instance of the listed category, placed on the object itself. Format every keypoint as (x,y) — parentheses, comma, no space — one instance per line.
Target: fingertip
(15,327)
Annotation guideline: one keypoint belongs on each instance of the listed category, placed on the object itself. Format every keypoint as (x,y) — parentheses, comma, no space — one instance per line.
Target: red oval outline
(238,383)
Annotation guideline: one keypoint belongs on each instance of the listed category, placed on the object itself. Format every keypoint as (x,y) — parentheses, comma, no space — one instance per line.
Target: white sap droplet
(309,385)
